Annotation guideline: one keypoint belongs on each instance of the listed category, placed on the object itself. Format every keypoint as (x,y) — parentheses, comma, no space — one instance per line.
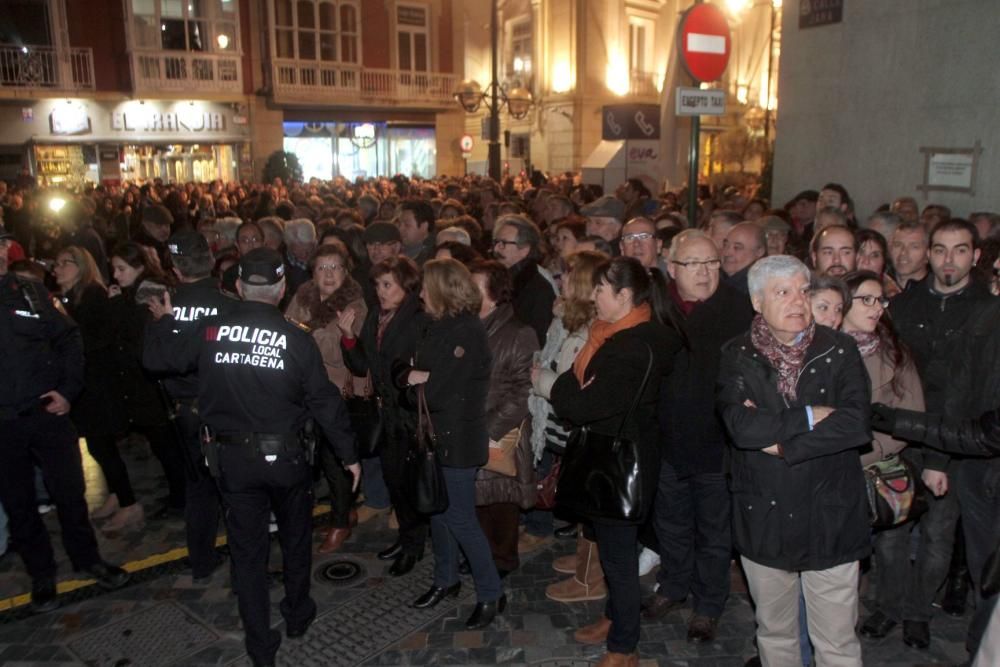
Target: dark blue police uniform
(42,352)
(260,380)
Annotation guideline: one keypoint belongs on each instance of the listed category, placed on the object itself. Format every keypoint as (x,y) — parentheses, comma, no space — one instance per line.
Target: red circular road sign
(704,42)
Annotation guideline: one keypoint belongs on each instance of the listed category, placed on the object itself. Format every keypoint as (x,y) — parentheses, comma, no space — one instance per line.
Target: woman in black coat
(626,339)
(389,333)
(452,367)
(97,415)
(139,393)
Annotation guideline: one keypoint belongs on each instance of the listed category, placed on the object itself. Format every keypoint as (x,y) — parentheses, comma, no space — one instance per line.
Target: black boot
(432,597)
(485,612)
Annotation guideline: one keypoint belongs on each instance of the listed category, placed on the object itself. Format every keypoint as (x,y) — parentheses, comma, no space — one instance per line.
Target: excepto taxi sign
(698,102)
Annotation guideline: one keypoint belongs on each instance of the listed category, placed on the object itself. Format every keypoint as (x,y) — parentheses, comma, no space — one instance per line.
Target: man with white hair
(692,513)
(453,233)
(300,240)
(795,399)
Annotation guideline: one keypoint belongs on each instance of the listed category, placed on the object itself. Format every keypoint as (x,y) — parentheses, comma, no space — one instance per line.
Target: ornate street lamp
(471,96)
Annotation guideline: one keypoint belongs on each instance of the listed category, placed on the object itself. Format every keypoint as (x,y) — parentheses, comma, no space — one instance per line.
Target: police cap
(261,266)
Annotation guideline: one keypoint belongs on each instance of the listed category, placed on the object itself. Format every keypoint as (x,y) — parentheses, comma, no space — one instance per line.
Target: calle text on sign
(698,102)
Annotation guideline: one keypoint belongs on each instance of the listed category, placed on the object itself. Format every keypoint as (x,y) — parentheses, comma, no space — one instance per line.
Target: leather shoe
(876,626)
(294,632)
(43,595)
(403,564)
(917,634)
(485,612)
(701,629)
(391,553)
(437,593)
(334,540)
(657,606)
(109,577)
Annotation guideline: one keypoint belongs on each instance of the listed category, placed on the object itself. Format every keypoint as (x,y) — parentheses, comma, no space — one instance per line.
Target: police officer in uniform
(197,297)
(260,380)
(41,364)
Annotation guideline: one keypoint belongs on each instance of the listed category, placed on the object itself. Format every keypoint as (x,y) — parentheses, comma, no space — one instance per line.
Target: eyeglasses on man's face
(501,242)
(695,264)
(636,237)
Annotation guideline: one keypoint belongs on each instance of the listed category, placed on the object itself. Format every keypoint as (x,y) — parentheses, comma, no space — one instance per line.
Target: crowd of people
(261,337)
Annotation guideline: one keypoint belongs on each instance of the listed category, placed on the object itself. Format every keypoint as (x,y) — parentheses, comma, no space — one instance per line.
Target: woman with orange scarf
(627,336)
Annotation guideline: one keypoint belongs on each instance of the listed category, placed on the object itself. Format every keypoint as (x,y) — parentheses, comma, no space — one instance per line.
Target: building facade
(580,57)
(106,90)
(357,88)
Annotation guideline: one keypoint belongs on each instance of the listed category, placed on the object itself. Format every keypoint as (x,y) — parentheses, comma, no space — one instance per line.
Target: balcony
(155,72)
(298,81)
(46,68)
(643,84)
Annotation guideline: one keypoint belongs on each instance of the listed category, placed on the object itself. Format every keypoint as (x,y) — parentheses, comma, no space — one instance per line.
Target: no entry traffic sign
(704,42)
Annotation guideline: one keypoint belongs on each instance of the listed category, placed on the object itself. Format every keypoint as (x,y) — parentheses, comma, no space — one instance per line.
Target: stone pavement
(165,619)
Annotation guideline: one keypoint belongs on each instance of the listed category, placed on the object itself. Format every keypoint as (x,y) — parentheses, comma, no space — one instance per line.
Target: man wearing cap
(605,217)
(42,367)
(382,241)
(197,297)
(260,382)
(154,230)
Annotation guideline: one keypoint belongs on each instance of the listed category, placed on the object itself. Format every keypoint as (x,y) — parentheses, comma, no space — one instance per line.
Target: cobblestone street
(162,618)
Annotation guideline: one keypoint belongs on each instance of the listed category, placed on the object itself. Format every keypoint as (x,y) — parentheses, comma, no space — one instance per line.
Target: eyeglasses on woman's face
(871,300)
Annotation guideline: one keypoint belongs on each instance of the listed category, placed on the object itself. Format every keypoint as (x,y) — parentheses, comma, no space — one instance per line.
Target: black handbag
(365,412)
(895,492)
(601,474)
(425,481)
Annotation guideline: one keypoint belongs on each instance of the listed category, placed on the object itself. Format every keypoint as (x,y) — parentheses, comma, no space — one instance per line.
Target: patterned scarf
(600,331)
(786,359)
(868,341)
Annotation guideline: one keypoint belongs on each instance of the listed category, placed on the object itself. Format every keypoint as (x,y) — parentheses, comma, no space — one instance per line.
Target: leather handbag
(365,412)
(425,482)
(547,486)
(502,457)
(601,474)
(895,492)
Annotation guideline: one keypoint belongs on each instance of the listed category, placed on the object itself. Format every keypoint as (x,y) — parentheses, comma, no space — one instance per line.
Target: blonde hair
(578,308)
(87,267)
(450,289)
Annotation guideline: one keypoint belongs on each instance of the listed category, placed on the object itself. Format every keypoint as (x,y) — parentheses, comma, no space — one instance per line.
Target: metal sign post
(704,43)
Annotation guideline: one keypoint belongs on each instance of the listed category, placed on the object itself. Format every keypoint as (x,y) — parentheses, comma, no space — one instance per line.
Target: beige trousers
(831,609)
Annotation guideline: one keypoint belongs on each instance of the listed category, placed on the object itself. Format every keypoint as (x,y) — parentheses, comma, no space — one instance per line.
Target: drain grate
(160,635)
(368,624)
(340,573)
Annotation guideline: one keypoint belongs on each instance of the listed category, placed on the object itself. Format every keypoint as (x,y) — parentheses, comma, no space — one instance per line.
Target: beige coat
(881,373)
(328,337)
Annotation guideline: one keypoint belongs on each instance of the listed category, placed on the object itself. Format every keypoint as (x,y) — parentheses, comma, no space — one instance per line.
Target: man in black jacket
(515,245)
(932,317)
(795,398)
(197,297)
(692,516)
(42,367)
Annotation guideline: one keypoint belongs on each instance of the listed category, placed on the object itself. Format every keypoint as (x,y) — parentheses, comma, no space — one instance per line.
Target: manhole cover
(160,635)
(340,572)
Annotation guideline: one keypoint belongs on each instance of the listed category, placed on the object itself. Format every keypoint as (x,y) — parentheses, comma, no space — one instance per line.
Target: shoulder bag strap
(425,428)
(638,395)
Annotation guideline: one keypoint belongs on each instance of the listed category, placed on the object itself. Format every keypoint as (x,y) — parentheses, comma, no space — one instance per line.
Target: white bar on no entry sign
(700,43)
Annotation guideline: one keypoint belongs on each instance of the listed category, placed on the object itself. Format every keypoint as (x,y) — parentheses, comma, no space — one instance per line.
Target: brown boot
(334,540)
(595,633)
(588,581)
(565,564)
(610,659)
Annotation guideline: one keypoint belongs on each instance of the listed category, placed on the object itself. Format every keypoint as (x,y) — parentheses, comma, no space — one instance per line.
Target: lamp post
(470,96)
